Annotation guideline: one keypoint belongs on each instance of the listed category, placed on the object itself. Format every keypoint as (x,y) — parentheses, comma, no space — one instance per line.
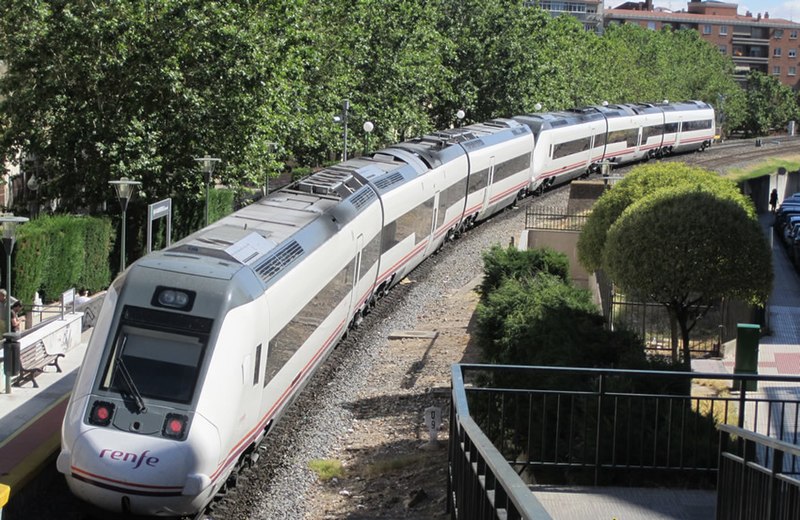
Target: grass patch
(715,407)
(765,167)
(326,469)
(389,465)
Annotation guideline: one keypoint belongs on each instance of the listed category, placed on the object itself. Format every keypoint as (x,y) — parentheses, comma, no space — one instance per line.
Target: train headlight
(102,413)
(173,298)
(174,426)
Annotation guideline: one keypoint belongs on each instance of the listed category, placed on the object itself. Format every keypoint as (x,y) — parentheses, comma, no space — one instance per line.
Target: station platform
(30,419)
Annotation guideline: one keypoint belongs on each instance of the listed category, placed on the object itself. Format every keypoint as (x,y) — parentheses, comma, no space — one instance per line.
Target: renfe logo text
(133,458)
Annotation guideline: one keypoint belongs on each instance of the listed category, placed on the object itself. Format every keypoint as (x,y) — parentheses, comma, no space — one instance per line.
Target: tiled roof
(628,14)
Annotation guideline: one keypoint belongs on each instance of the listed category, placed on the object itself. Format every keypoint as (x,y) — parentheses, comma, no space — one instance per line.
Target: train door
(434,241)
(487,193)
(355,289)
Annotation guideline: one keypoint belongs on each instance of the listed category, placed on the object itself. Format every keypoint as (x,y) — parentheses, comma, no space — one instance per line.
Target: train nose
(130,473)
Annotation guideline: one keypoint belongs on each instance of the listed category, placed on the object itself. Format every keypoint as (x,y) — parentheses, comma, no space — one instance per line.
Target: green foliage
(642,181)
(326,469)
(220,204)
(54,254)
(101,90)
(97,234)
(31,254)
(769,104)
(500,263)
(689,243)
(693,246)
(545,321)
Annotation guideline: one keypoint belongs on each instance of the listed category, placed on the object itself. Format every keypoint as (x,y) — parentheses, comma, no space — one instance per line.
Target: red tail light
(174,426)
(102,413)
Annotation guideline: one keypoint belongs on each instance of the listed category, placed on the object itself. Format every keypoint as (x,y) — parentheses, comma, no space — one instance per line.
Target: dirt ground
(391,468)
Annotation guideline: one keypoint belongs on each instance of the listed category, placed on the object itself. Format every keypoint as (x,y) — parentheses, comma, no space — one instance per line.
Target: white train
(199,348)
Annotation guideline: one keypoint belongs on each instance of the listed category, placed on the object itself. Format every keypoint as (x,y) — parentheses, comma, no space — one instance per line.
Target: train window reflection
(162,365)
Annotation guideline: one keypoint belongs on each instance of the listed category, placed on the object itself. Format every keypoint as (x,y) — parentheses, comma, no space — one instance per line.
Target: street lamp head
(10,223)
(125,189)
(460,115)
(208,163)
(537,106)
(604,103)
(368,126)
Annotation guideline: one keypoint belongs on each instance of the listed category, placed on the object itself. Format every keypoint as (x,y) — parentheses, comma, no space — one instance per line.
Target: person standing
(773,199)
(16,309)
(3,311)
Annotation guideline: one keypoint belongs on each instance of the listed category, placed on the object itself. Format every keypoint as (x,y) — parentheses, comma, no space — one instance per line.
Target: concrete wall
(565,242)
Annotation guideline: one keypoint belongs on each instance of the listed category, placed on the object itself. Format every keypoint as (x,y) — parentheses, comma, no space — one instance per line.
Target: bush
(500,263)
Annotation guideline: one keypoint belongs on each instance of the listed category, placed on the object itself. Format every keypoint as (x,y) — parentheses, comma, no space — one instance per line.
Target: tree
(102,90)
(644,180)
(769,104)
(687,248)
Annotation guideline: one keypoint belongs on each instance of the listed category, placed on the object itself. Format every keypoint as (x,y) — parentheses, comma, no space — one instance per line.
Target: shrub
(500,263)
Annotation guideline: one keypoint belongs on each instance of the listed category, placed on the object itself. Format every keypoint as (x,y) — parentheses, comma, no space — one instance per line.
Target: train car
(199,348)
(567,144)
(635,131)
(688,126)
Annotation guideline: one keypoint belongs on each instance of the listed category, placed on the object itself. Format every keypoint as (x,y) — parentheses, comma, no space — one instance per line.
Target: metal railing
(615,427)
(554,219)
(754,478)
(481,485)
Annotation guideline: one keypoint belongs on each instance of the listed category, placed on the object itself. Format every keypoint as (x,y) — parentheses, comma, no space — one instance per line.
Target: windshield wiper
(122,369)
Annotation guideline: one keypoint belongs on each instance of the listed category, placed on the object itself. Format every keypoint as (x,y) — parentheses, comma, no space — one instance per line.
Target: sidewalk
(779,352)
(30,420)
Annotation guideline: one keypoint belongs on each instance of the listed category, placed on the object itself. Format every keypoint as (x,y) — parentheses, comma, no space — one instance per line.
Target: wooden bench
(32,360)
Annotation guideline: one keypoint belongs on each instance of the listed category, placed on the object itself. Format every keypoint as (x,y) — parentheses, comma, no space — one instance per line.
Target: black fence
(554,218)
(610,427)
(652,323)
(755,480)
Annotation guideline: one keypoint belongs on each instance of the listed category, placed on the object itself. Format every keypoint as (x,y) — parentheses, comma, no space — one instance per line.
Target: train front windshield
(155,364)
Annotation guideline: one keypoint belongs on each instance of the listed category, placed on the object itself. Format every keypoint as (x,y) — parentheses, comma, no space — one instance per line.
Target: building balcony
(750,59)
(747,40)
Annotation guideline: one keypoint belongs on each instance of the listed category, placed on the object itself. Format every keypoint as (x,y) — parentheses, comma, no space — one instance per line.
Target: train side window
(257,364)
(600,139)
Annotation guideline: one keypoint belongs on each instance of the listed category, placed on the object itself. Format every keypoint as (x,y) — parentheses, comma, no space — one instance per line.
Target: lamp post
(460,116)
(125,189)
(368,128)
(208,163)
(9,223)
(343,120)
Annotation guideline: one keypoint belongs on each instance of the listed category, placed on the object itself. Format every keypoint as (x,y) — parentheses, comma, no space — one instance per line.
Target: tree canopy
(640,182)
(769,104)
(686,247)
(96,91)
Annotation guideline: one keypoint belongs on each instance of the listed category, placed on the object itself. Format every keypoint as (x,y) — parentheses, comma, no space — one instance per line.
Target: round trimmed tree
(686,247)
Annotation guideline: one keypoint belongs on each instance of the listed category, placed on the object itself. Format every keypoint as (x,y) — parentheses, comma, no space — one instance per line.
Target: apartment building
(754,41)
(588,12)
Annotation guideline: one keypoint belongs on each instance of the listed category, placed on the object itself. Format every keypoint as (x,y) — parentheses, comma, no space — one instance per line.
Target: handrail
(764,440)
(517,491)
(623,372)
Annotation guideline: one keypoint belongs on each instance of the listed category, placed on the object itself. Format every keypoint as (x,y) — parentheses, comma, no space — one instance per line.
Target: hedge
(56,253)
